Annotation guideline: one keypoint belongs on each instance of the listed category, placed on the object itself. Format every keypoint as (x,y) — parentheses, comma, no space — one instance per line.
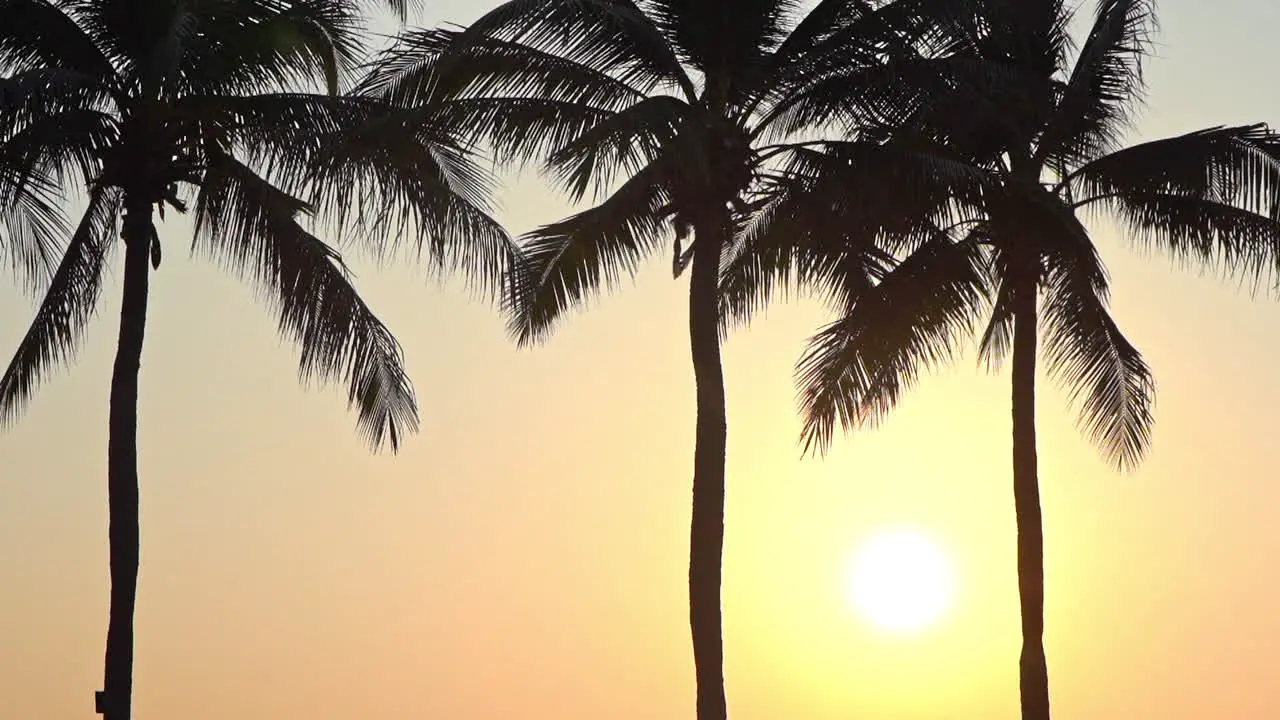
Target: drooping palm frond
(252,227)
(565,263)
(32,227)
(1105,87)
(856,369)
(1106,374)
(68,304)
(799,240)
(402,8)
(417,187)
(997,339)
(423,189)
(1209,197)
(835,212)
(64,148)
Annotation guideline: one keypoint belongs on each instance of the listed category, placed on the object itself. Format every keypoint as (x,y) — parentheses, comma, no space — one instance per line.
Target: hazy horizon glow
(525,555)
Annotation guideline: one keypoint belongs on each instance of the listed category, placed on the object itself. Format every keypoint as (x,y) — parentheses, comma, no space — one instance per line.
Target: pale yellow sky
(524,556)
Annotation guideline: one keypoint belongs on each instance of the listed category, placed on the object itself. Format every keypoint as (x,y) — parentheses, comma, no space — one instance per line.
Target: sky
(524,556)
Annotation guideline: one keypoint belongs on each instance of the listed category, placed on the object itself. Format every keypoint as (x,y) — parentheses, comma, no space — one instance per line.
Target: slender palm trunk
(706,538)
(1033,668)
(122,469)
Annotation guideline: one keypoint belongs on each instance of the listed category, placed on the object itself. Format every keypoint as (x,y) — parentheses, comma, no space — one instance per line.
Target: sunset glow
(525,554)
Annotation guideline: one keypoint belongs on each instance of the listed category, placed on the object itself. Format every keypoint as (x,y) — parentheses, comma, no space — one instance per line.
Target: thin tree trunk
(1033,668)
(122,469)
(706,540)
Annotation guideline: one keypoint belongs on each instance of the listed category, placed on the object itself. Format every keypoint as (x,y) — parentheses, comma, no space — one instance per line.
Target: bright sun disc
(901,582)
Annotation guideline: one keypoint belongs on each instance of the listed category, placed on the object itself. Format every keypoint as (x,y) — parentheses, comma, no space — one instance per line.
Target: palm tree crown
(1015,142)
(194,104)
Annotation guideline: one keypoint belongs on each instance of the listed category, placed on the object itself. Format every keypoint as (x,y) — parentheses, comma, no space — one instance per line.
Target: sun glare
(901,582)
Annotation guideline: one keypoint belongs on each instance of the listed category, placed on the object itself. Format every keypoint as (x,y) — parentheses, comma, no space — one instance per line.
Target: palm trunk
(1033,668)
(122,470)
(706,538)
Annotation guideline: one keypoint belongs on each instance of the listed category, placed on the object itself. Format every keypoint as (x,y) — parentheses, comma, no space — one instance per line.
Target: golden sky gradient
(525,555)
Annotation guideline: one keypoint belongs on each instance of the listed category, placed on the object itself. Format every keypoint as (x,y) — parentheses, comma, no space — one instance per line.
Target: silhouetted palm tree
(979,215)
(165,102)
(671,112)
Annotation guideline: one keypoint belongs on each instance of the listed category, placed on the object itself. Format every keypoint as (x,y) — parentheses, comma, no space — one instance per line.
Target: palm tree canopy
(661,110)
(1023,131)
(229,109)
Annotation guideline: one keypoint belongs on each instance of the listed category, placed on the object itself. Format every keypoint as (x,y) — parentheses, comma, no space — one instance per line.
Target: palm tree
(974,195)
(671,113)
(177,103)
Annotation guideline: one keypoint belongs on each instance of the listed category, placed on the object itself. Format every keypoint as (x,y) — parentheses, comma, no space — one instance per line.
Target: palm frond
(32,226)
(422,188)
(518,131)
(997,339)
(68,304)
(1105,87)
(623,142)
(837,211)
(64,147)
(255,45)
(283,131)
(812,34)
(1209,197)
(1106,374)
(402,8)
(41,34)
(125,31)
(613,37)
(835,215)
(563,264)
(1204,233)
(841,48)
(29,96)
(252,227)
(427,66)
(947,96)
(794,244)
(387,183)
(1033,34)
(856,369)
(726,42)
(798,240)
(162,68)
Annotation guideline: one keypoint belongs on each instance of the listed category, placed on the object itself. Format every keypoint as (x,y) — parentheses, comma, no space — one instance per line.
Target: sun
(901,582)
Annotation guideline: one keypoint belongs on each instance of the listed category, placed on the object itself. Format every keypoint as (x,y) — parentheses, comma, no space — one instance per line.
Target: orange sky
(524,556)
